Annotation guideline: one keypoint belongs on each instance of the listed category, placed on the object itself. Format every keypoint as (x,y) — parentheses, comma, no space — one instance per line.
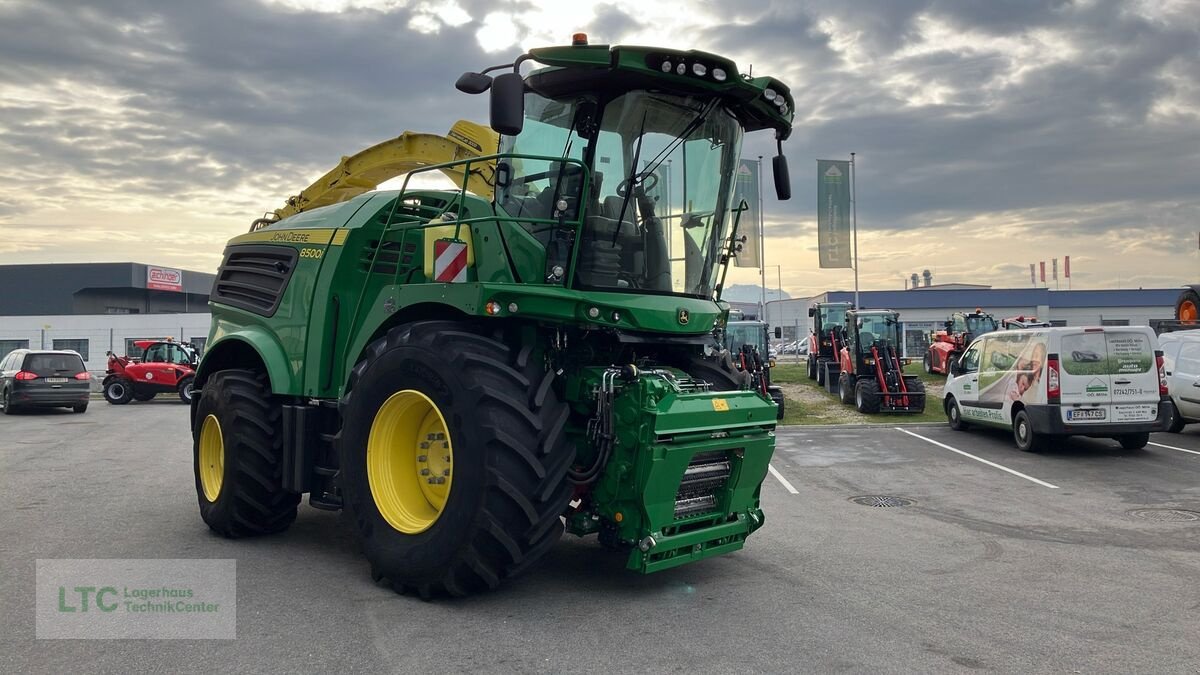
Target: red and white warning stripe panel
(449,261)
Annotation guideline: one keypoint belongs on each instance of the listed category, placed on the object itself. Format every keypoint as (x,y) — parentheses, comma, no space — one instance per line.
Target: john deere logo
(684,317)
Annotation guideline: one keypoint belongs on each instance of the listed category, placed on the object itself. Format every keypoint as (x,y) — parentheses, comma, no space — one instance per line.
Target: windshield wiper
(633,172)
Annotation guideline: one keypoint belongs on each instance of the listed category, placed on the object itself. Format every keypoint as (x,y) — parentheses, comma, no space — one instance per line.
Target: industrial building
(93,308)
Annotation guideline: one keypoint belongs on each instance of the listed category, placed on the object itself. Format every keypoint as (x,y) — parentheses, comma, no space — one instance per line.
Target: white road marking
(783,480)
(1171,447)
(979,459)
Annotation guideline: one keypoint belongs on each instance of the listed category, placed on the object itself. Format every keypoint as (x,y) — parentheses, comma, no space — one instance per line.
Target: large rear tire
(502,426)
(237,451)
(1187,306)
(928,363)
(184,389)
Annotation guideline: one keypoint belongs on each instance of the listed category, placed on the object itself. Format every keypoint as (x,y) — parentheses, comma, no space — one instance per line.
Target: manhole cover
(1165,515)
(881,501)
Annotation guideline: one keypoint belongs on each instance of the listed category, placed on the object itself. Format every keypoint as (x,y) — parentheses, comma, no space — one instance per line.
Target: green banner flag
(833,212)
(745,187)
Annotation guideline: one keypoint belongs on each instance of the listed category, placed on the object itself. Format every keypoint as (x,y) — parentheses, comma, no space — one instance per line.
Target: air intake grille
(253,278)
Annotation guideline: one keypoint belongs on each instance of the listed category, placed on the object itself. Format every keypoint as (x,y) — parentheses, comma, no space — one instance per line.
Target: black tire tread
(254,446)
(526,487)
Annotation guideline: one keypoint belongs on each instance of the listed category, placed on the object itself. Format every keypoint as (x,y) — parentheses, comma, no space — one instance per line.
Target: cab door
(965,385)
(159,364)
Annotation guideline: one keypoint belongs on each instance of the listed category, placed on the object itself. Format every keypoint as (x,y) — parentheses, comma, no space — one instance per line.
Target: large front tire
(118,390)
(866,396)
(237,452)
(505,482)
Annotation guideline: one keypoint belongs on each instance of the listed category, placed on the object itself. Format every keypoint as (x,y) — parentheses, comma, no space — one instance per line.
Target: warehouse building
(94,308)
(924,309)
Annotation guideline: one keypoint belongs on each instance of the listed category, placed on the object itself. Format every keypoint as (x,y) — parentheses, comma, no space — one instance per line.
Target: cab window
(177,355)
(156,354)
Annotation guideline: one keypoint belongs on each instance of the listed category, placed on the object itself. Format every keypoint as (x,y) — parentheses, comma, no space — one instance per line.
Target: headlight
(699,69)
(719,74)
(769,94)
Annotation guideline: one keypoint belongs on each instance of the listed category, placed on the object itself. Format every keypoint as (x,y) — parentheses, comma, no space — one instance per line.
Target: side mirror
(783,182)
(508,104)
(812,311)
(473,83)
(778,332)
(955,368)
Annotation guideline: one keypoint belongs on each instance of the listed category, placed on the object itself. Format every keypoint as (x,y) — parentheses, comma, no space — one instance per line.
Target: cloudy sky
(990,134)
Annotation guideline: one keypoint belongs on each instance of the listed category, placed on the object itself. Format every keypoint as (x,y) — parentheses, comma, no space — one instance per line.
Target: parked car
(1181,367)
(1102,382)
(32,378)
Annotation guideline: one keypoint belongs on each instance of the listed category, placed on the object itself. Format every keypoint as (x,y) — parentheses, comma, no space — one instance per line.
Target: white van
(1102,382)
(1181,365)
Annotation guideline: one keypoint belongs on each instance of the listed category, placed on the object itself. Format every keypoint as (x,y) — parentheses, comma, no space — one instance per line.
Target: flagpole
(762,251)
(854,219)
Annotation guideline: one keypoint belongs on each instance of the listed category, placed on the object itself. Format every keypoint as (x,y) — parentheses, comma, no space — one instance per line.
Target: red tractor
(949,343)
(165,366)
(872,376)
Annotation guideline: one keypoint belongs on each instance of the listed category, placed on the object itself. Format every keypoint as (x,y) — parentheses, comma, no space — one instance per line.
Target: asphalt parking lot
(1075,560)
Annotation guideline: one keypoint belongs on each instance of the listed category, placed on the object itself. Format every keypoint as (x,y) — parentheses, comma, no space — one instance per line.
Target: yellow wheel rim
(212,458)
(1188,311)
(409,461)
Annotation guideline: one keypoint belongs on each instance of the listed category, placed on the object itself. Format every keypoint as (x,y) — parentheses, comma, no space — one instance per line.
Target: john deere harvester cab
(959,331)
(749,345)
(871,368)
(823,348)
(466,370)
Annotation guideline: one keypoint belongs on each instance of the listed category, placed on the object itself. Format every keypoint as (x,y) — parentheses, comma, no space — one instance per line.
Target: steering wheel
(646,180)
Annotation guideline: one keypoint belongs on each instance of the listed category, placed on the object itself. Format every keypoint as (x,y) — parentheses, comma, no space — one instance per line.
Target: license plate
(1086,414)
(56,380)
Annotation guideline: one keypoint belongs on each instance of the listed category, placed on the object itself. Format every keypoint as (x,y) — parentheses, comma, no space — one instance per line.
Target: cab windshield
(658,209)
(831,317)
(753,334)
(878,330)
(978,325)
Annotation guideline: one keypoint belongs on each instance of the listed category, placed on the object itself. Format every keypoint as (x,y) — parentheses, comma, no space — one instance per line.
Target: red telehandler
(165,366)
(949,343)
